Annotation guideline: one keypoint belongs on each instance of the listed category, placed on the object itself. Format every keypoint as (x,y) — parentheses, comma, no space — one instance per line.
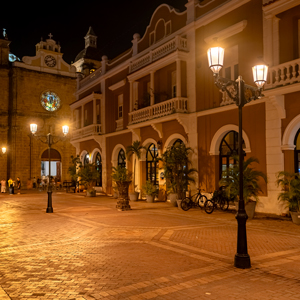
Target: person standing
(3,186)
(18,185)
(34,183)
(11,186)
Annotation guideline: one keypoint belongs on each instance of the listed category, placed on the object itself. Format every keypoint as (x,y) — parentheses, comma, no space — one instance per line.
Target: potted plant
(88,175)
(150,190)
(290,195)
(115,190)
(74,168)
(122,178)
(177,172)
(136,150)
(251,188)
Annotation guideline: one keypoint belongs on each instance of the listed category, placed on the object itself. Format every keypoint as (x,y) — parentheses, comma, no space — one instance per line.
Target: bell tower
(90,38)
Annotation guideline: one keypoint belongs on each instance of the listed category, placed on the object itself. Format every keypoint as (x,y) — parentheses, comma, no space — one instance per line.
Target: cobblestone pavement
(88,250)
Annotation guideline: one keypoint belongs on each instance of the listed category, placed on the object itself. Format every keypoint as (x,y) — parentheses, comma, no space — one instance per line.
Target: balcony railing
(175,105)
(283,74)
(177,43)
(94,129)
(93,76)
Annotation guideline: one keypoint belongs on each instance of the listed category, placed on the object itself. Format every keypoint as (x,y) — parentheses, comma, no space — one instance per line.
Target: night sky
(114,22)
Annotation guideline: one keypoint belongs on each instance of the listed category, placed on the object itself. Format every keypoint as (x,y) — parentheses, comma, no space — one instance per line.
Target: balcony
(90,130)
(175,105)
(177,43)
(283,74)
(95,75)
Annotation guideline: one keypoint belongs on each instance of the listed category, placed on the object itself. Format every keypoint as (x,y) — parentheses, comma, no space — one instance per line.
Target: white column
(178,78)
(274,159)
(102,106)
(152,88)
(82,116)
(131,104)
(94,111)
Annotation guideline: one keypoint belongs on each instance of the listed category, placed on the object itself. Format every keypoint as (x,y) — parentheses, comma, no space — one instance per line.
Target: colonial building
(161,91)
(37,90)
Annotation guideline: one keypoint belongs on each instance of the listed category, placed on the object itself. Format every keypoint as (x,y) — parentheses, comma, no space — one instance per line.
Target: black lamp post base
(49,208)
(242,261)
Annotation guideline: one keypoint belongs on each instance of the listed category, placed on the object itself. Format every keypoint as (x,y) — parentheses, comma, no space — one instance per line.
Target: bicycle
(197,200)
(218,200)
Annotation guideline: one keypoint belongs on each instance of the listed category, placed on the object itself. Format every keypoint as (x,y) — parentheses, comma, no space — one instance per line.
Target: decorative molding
(117,85)
(226,33)
(119,123)
(183,120)
(290,134)
(158,128)
(218,136)
(136,133)
(172,138)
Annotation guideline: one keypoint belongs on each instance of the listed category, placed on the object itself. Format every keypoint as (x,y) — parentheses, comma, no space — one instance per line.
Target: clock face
(50,61)
(50,101)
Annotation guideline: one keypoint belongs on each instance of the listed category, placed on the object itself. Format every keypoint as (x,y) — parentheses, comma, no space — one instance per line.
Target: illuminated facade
(161,91)
(36,90)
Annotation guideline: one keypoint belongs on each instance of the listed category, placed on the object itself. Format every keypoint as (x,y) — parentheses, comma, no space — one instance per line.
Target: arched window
(98,165)
(228,148)
(152,164)
(122,158)
(178,142)
(297,152)
(86,159)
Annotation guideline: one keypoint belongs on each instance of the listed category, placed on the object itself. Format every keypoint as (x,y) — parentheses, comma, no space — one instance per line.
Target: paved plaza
(88,250)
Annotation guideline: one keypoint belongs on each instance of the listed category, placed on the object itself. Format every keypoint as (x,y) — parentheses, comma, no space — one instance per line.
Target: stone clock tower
(37,90)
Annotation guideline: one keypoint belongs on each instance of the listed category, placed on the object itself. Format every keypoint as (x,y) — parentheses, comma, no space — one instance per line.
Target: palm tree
(136,150)
(290,185)
(251,188)
(177,172)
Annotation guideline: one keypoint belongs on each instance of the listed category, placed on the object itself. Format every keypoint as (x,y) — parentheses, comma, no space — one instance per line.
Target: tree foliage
(134,149)
(290,186)
(251,177)
(176,167)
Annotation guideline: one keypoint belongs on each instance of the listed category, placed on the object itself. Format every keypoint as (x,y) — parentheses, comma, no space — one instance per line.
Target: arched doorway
(152,164)
(122,158)
(86,159)
(98,165)
(55,161)
(297,152)
(228,148)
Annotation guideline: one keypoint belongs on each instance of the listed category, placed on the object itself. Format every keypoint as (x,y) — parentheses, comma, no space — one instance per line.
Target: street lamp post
(49,139)
(241,93)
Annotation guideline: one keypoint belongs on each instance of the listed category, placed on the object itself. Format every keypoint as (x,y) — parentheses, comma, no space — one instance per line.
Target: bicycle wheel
(186,204)
(201,201)
(209,206)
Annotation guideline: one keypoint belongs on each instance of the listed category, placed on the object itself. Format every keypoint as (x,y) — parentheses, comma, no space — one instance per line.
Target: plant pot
(115,195)
(149,199)
(295,217)
(249,208)
(91,193)
(123,200)
(134,196)
(173,199)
